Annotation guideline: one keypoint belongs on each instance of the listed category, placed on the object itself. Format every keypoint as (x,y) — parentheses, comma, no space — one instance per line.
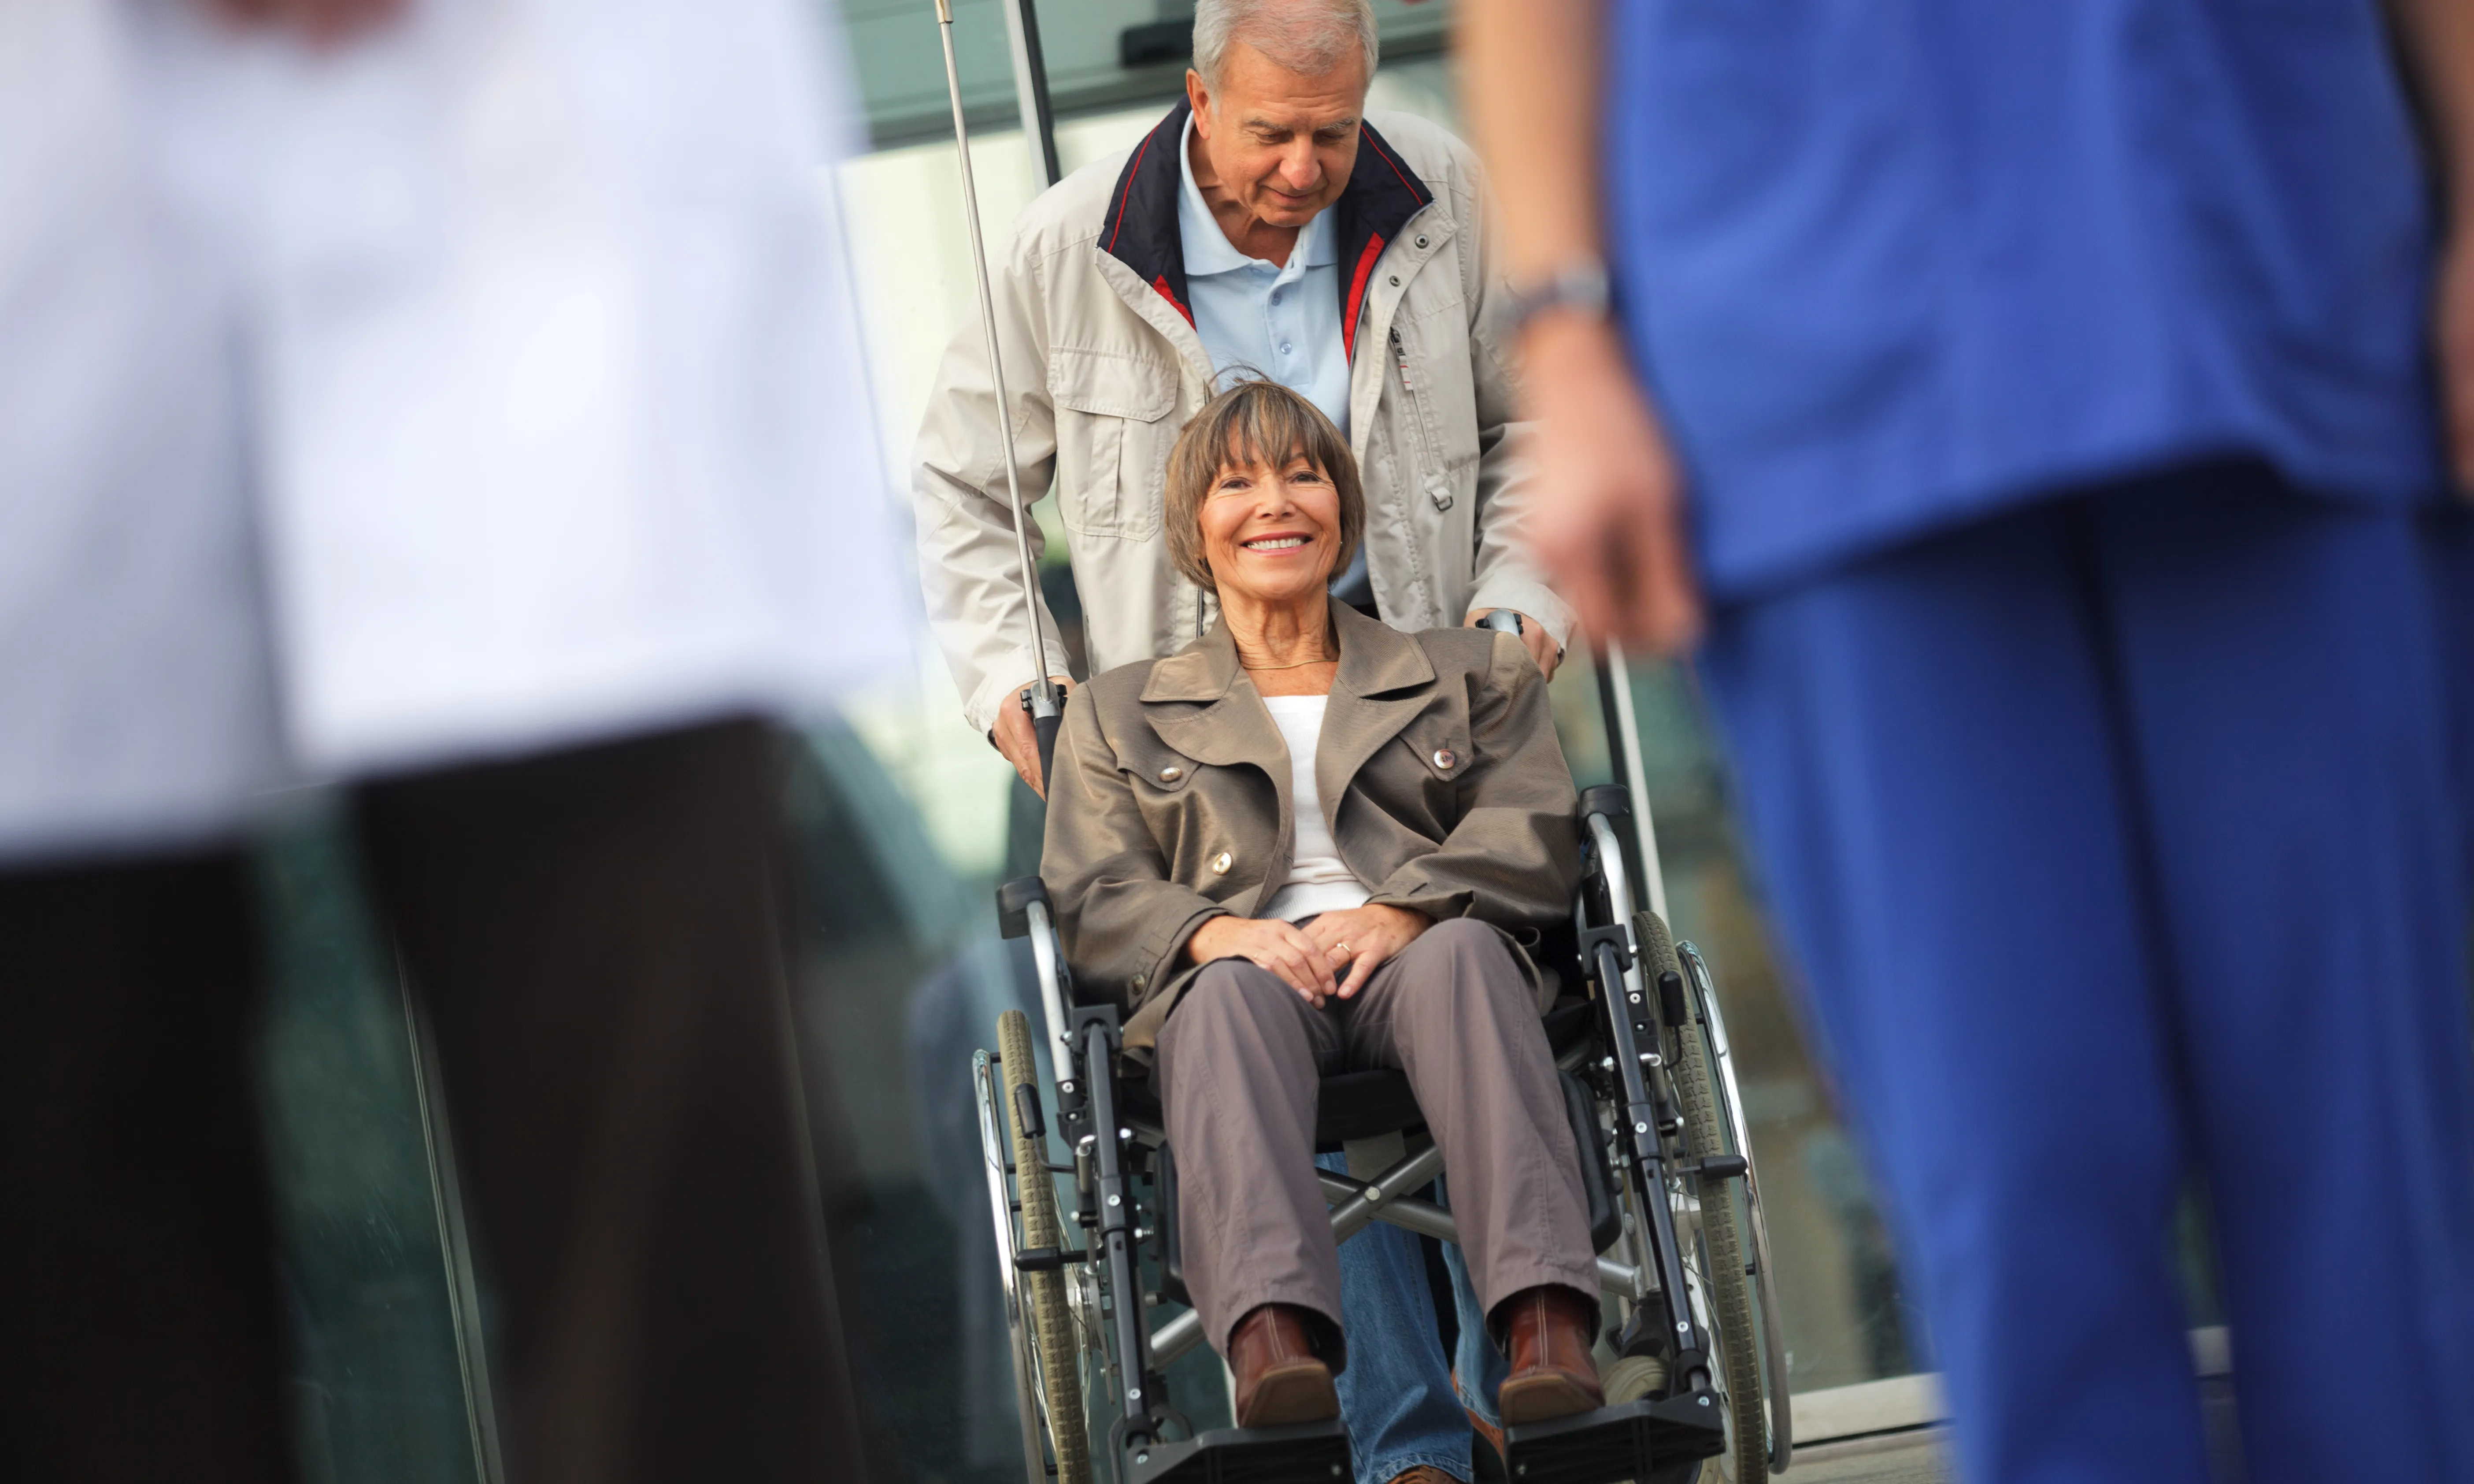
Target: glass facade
(903,819)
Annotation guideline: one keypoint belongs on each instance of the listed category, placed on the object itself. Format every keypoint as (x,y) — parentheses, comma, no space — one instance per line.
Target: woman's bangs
(1260,421)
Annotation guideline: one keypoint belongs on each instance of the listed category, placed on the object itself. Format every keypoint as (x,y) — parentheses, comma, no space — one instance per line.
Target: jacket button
(1172,774)
(1139,984)
(1422,242)
(1220,864)
(1396,280)
(1444,757)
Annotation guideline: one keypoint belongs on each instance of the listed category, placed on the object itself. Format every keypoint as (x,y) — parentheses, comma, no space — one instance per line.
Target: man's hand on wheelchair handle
(1013,737)
(1542,644)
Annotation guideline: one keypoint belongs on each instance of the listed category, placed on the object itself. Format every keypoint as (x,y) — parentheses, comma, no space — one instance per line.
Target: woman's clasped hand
(1312,957)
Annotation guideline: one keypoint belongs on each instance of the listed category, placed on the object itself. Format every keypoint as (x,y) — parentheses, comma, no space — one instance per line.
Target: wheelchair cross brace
(1357,1204)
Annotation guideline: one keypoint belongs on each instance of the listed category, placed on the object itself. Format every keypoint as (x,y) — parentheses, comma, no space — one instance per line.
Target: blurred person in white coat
(457,400)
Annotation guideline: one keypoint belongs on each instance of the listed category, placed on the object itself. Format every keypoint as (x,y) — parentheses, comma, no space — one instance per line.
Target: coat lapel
(1383,684)
(1200,702)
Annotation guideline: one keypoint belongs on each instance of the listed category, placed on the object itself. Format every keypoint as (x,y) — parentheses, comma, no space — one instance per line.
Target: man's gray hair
(1307,37)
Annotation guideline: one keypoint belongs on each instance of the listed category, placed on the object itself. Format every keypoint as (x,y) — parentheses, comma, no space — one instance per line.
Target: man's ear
(1197,95)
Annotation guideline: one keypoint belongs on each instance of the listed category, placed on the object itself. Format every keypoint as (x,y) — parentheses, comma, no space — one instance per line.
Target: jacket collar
(1379,688)
(1141,228)
(1375,660)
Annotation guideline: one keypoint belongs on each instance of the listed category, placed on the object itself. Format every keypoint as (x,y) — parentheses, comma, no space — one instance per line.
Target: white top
(1319,880)
(551,423)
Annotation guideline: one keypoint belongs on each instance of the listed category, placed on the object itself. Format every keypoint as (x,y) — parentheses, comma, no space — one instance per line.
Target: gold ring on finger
(1341,949)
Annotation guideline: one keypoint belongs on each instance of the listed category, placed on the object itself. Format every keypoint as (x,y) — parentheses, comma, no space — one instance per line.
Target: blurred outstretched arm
(1607,513)
(2439,44)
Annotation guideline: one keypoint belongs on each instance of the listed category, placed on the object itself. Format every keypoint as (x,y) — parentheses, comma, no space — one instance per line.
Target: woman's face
(1272,532)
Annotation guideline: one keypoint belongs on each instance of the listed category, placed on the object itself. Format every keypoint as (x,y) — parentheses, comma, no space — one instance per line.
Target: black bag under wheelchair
(1674,1206)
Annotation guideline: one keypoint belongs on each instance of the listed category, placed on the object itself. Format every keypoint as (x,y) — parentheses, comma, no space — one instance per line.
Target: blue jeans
(1477,1366)
(1396,1395)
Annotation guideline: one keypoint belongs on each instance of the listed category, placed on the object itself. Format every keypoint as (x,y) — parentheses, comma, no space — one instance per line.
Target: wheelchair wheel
(1708,1133)
(1044,1307)
(1713,1026)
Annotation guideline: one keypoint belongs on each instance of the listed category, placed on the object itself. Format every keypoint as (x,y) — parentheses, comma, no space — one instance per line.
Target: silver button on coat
(1444,757)
(1220,864)
(1171,773)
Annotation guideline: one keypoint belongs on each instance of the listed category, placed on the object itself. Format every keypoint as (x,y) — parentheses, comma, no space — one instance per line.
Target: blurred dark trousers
(2118,838)
(594,935)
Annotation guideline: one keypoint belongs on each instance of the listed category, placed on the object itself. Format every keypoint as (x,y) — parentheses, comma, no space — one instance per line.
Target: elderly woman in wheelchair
(1303,845)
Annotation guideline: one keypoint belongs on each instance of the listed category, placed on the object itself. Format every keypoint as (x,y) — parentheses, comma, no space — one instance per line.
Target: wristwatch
(1579,285)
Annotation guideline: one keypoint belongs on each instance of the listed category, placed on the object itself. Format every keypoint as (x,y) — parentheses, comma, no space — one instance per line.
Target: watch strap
(1579,287)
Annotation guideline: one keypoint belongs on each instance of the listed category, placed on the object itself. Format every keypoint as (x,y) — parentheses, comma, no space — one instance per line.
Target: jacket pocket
(1111,442)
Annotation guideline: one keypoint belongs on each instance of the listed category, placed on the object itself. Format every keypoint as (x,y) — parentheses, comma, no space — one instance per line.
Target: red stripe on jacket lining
(1357,296)
(1161,284)
(1132,172)
(1386,156)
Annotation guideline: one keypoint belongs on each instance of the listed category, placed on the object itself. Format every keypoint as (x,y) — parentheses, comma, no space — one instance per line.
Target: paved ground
(1901,1458)
(1917,1456)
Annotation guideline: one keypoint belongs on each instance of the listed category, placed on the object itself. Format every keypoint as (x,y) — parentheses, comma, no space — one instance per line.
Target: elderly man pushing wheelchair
(1264,226)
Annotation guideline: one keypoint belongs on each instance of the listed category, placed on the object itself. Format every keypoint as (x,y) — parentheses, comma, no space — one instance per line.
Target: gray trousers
(1239,1065)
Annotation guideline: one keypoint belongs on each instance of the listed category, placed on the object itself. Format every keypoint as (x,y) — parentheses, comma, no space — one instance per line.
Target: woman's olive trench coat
(1438,769)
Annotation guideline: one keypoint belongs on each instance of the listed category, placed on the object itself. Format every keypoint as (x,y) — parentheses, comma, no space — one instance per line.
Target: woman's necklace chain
(1300,665)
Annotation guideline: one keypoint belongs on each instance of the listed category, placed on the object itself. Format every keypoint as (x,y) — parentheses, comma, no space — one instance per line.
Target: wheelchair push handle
(1013,904)
(1045,703)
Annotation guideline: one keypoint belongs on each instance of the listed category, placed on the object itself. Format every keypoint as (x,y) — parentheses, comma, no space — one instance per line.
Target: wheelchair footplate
(1301,1454)
(1630,1441)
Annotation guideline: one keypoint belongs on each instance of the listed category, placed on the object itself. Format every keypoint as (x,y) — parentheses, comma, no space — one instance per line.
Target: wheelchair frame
(1687,1367)
(1653,1119)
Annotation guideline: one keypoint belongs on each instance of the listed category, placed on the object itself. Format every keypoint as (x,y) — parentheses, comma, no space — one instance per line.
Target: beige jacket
(1438,769)
(1103,367)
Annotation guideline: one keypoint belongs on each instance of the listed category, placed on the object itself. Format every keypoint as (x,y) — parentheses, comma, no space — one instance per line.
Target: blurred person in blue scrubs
(456,401)
(2035,412)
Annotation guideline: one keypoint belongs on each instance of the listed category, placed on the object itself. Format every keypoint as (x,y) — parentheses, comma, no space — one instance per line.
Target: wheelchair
(1699,1373)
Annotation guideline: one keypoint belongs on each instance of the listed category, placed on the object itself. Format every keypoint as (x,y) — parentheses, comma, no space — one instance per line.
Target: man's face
(1279,141)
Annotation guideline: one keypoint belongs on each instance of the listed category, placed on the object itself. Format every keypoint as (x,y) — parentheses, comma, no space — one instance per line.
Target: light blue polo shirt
(1281,323)
(1892,266)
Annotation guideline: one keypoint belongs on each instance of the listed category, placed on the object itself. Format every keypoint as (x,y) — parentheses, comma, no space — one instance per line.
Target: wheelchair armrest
(1610,799)
(1013,902)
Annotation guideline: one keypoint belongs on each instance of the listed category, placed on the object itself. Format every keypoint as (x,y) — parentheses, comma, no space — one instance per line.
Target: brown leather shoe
(1545,1334)
(1279,1379)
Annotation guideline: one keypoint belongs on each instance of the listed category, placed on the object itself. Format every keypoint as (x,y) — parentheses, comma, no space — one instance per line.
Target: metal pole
(454,1245)
(1046,700)
(1626,729)
(1031,88)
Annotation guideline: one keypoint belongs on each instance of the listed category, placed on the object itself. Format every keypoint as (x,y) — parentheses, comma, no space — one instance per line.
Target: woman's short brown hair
(1254,422)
